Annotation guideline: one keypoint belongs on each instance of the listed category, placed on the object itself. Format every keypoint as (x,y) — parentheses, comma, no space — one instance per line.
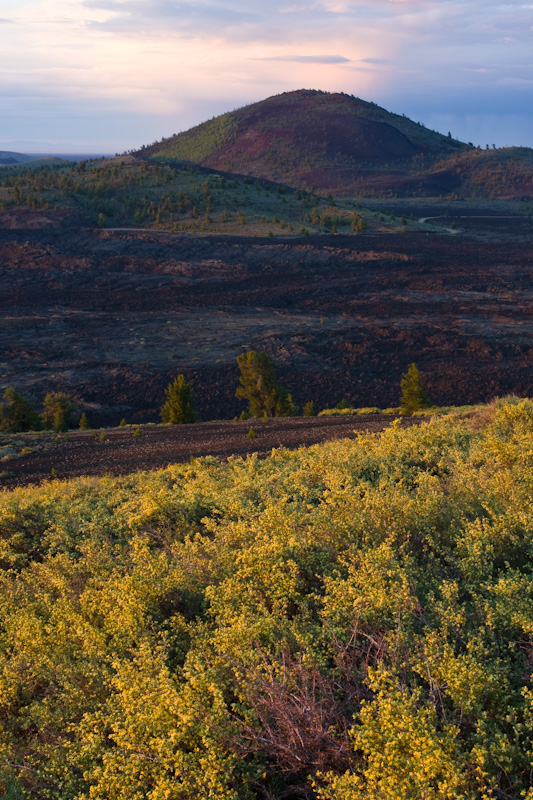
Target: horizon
(106,76)
(89,151)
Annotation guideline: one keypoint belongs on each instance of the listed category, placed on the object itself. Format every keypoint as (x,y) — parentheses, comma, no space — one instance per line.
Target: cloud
(307,59)
(7,21)
(128,15)
(173,63)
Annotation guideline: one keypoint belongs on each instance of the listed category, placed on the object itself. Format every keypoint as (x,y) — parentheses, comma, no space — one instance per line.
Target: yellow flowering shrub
(345,621)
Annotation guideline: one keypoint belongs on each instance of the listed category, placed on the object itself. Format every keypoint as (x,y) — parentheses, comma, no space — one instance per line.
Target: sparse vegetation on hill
(341,144)
(503,172)
(349,621)
(126,192)
(308,139)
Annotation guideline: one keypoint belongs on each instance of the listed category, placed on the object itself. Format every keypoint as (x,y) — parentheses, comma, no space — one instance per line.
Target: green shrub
(309,409)
(336,412)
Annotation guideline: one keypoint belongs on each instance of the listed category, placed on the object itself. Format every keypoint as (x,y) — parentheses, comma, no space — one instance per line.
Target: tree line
(19,414)
(258,387)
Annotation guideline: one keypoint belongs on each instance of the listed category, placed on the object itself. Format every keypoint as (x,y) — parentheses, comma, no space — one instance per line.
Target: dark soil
(122,452)
(113,317)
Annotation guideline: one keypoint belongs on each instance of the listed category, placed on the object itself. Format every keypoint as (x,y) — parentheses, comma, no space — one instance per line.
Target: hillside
(129,192)
(344,622)
(506,173)
(339,144)
(308,139)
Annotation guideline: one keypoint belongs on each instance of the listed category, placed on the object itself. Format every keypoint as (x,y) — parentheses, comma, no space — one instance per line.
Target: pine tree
(178,408)
(58,410)
(17,413)
(259,388)
(414,396)
(84,422)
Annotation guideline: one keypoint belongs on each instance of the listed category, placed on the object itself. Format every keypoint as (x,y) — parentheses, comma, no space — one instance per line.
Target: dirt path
(453,231)
(122,452)
(470,216)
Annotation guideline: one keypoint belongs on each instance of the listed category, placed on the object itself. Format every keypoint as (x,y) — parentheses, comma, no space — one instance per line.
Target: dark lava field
(112,316)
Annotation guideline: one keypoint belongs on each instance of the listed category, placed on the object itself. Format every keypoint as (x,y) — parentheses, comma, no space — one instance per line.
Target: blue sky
(109,75)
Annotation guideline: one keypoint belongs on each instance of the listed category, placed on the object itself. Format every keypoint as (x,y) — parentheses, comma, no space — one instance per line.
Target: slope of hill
(307,139)
(128,192)
(505,173)
(339,144)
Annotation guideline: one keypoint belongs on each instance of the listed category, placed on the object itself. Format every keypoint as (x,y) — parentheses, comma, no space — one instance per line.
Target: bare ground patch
(83,453)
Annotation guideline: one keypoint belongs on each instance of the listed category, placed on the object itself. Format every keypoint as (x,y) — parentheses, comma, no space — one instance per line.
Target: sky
(105,76)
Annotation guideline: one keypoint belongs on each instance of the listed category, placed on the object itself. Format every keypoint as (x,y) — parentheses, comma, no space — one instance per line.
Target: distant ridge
(311,139)
(12,159)
(7,157)
(18,161)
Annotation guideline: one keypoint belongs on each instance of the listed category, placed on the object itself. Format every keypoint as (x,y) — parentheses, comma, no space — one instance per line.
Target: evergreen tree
(17,413)
(284,406)
(178,408)
(259,388)
(84,422)
(58,410)
(414,396)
